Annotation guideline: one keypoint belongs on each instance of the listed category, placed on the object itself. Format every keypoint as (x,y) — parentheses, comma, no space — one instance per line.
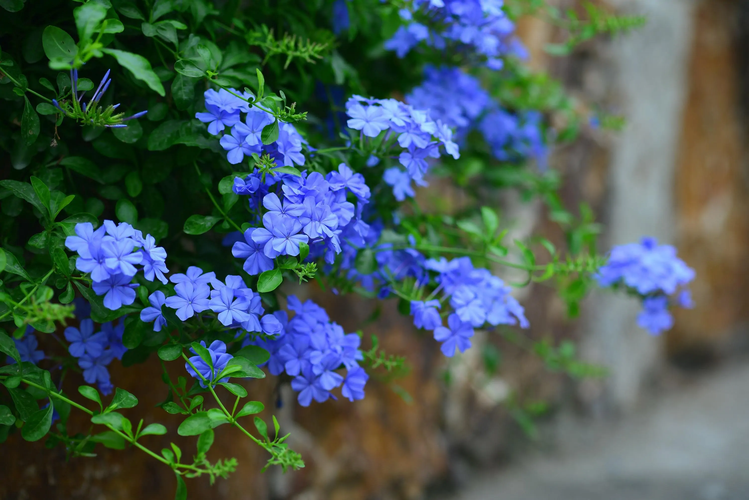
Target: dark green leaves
(270,133)
(29,124)
(197,424)
(205,441)
(38,424)
(153,430)
(89,392)
(365,261)
(183,91)
(181,493)
(170,352)
(139,67)
(7,346)
(58,44)
(126,211)
(123,399)
(6,417)
(199,224)
(235,389)
(25,404)
(87,19)
(269,280)
(251,408)
(254,354)
(83,166)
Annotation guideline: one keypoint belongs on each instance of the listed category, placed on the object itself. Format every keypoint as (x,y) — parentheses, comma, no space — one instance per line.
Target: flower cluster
(110,253)
(458,100)
(478,27)
(96,350)
(311,209)
(418,136)
(654,272)
(219,360)
(224,109)
(312,349)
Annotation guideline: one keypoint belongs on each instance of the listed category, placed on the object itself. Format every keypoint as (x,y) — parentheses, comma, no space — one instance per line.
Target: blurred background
(668,421)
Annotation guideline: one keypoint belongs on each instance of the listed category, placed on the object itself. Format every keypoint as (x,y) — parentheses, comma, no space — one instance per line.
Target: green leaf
(3,260)
(135,330)
(68,295)
(7,346)
(25,192)
(58,44)
(172,408)
(38,425)
(165,135)
(205,441)
(199,224)
(170,352)
(194,425)
(288,170)
(181,493)
(188,69)
(46,109)
(25,403)
(87,19)
(133,184)
(114,419)
(365,261)
(203,352)
(183,91)
(12,5)
(6,417)
(139,67)
(29,124)
(113,26)
(269,281)
(303,251)
(240,367)
(226,184)
(262,428)
(528,256)
(260,84)
(491,221)
(129,134)
(126,211)
(270,133)
(41,190)
(235,389)
(123,399)
(12,266)
(153,430)
(471,227)
(254,354)
(83,166)
(59,257)
(89,392)
(110,439)
(251,408)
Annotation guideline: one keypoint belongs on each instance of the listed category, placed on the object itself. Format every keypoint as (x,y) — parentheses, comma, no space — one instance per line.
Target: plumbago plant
(229,148)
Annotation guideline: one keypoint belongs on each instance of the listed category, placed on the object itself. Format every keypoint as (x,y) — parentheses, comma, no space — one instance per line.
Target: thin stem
(215,203)
(27,89)
(43,280)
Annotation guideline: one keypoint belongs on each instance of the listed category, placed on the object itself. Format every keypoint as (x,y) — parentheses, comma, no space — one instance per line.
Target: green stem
(27,89)
(215,203)
(43,280)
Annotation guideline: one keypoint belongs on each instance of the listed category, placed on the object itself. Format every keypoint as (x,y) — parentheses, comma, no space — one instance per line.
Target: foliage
(235,139)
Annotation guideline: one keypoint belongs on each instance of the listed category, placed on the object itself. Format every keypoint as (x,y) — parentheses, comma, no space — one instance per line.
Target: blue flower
(289,145)
(329,379)
(219,359)
(280,236)
(400,181)
(225,100)
(295,355)
(84,340)
(308,386)
(353,386)
(114,337)
(276,207)
(121,231)
(95,369)
(217,119)
(191,298)
(256,121)
(26,348)
(456,336)
(154,313)
(426,314)
(370,120)
(256,261)
(119,256)
(236,146)
(154,258)
(118,289)
(230,309)
(468,306)
(655,316)
(345,178)
(195,276)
